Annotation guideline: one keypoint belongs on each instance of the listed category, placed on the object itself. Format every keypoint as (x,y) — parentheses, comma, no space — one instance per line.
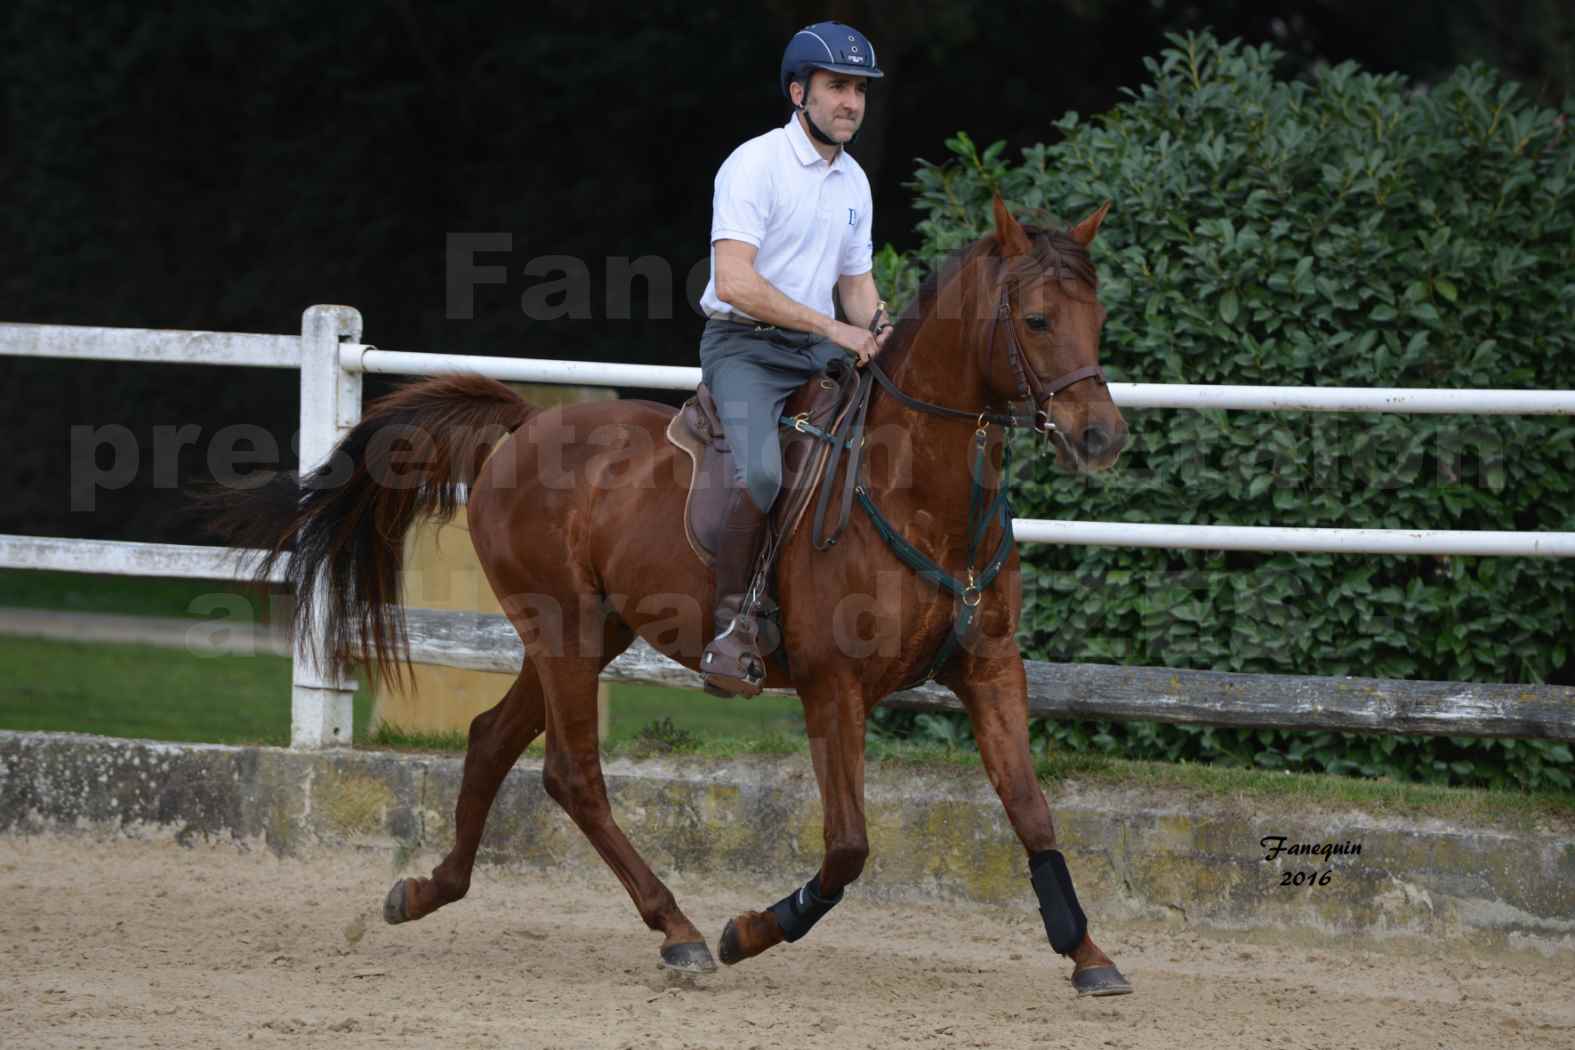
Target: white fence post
(321,712)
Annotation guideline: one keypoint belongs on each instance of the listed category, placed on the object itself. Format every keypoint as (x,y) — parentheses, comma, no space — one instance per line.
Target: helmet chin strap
(815,132)
(814,129)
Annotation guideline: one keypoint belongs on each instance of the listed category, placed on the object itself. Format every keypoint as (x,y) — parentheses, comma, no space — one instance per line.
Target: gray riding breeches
(751,373)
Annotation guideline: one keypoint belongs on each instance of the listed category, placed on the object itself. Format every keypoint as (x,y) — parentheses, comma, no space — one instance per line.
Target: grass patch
(661,737)
(397,738)
(653,720)
(772,745)
(159,694)
(636,707)
(131,595)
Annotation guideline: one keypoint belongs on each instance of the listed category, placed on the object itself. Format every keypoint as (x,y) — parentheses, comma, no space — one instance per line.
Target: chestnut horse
(577,518)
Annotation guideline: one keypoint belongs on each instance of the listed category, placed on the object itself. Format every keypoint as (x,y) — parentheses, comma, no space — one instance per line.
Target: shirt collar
(803,148)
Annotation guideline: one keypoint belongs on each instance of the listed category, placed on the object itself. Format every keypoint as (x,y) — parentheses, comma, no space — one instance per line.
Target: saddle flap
(697,430)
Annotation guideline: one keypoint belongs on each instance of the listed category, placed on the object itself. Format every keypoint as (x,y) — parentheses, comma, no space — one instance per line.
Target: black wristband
(875,322)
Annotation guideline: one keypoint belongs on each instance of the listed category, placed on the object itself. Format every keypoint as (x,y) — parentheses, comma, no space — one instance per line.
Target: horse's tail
(345,524)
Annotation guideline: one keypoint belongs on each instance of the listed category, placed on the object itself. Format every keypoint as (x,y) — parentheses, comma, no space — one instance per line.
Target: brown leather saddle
(821,406)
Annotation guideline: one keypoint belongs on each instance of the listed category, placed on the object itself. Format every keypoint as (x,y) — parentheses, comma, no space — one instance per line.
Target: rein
(848,436)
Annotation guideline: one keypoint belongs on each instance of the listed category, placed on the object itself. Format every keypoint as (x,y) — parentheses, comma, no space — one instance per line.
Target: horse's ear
(1008,233)
(1083,232)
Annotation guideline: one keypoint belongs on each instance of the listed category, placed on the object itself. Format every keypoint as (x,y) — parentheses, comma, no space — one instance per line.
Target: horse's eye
(1038,322)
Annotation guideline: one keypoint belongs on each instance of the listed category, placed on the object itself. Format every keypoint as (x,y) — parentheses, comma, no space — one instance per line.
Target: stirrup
(724,682)
(728,687)
(732,663)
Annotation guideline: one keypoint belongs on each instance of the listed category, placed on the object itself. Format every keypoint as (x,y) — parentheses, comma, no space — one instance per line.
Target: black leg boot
(732,663)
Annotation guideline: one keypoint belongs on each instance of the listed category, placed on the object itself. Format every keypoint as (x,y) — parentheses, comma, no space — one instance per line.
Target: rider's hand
(860,341)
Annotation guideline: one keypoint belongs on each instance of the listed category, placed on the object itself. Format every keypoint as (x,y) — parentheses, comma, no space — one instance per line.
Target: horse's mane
(1055,252)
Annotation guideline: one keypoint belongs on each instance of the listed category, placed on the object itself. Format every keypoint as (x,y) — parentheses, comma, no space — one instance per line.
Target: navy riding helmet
(830,46)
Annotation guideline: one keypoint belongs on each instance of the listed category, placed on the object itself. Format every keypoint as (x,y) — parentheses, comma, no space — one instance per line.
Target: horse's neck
(921,464)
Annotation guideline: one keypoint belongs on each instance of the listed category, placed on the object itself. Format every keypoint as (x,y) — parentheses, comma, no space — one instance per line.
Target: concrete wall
(934,833)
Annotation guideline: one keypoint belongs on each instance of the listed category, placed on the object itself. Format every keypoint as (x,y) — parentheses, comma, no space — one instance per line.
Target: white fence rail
(129,559)
(1301,541)
(1127,395)
(332,359)
(150,345)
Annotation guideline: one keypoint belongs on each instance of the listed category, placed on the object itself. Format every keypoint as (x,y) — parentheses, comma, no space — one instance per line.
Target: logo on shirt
(853,217)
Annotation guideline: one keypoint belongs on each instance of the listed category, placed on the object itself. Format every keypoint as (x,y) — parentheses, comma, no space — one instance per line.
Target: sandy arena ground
(136,944)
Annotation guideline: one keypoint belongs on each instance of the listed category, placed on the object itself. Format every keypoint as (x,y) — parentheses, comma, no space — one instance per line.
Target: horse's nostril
(1096,440)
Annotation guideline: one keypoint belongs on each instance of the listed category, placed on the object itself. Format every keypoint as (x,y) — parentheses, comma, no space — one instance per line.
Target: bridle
(984,511)
(848,433)
(1031,386)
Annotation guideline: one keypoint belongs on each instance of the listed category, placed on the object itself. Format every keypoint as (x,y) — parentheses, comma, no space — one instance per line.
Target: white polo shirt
(808,220)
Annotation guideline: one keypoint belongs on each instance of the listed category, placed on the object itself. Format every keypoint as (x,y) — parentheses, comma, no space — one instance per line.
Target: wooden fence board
(487,642)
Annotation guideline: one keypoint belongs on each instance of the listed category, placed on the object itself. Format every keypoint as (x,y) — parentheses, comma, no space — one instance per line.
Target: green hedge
(1354,230)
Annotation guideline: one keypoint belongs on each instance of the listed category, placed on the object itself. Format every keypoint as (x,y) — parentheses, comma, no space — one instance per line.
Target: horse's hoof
(747,935)
(394,911)
(1100,980)
(694,957)
(728,947)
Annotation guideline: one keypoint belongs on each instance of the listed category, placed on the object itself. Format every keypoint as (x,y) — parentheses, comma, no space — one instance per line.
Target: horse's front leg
(995,694)
(834,719)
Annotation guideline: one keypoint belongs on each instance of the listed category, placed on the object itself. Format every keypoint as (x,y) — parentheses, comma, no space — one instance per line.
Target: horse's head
(1043,309)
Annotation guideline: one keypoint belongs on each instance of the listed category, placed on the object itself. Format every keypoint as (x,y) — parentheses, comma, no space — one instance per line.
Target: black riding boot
(732,663)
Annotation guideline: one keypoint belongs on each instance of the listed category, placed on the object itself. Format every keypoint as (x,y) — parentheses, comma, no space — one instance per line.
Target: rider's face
(836,103)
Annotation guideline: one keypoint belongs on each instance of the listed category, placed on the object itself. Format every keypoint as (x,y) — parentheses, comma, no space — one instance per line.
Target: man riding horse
(790,220)
(1003,337)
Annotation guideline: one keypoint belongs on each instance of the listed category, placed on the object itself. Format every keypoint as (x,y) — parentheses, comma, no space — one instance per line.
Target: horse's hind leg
(573,777)
(498,736)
